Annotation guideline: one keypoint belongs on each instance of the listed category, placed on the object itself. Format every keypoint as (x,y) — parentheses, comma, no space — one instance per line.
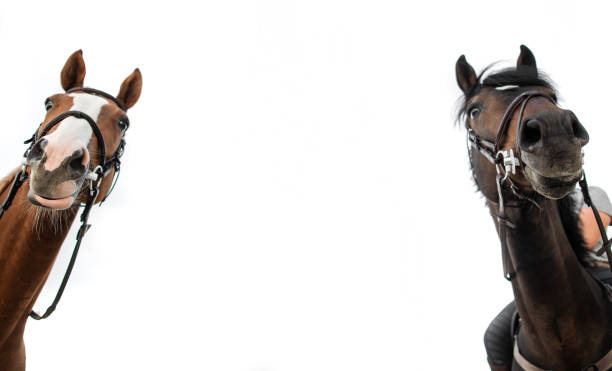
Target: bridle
(105,165)
(94,176)
(506,162)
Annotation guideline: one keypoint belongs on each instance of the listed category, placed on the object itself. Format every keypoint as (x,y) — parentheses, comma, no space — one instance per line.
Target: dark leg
(498,340)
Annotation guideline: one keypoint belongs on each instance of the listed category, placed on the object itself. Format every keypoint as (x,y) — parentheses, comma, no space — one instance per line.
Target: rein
(94,176)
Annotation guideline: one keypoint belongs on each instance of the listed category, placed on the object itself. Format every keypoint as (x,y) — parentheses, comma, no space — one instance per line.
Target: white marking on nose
(73,133)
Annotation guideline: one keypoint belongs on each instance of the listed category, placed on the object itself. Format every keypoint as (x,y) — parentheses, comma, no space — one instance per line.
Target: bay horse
(526,157)
(72,160)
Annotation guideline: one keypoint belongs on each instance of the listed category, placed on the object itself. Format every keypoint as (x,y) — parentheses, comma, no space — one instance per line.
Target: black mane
(521,77)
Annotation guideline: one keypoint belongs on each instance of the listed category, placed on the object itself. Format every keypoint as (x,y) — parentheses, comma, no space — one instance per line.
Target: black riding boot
(499,340)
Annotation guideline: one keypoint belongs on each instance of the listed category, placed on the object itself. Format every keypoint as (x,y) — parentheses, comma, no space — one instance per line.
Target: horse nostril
(37,151)
(530,135)
(580,132)
(75,163)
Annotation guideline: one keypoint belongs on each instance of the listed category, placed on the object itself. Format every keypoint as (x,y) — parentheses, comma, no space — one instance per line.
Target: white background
(295,195)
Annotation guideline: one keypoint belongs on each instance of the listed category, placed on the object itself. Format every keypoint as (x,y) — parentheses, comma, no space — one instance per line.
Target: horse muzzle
(550,145)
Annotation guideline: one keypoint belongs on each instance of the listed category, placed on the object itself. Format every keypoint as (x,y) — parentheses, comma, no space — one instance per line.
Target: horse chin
(552,187)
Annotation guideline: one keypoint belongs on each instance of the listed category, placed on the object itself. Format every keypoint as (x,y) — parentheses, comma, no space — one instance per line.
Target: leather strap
(523,362)
(93,193)
(99,93)
(602,230)
(603,364)
(20,177)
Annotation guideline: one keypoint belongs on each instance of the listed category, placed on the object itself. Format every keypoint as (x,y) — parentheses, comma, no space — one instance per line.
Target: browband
(99,93)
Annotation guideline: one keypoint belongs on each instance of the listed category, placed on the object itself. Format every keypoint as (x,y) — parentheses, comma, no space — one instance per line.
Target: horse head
(80,139)
(515,111)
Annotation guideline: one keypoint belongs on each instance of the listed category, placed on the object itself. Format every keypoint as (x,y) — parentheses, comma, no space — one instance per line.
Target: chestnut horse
(565,313)
(64,163)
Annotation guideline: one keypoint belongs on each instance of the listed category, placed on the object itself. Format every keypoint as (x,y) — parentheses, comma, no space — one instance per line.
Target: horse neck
(30,240)
(563,310)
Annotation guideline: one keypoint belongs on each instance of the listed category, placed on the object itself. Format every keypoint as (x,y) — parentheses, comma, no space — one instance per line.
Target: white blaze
(72,133)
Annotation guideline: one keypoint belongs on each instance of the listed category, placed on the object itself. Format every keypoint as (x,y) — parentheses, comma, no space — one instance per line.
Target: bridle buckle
(509,161)
(95,178)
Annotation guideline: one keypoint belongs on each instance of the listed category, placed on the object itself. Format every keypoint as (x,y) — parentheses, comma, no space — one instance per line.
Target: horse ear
(526,58)
(73,72)
(466,76)
(130,89)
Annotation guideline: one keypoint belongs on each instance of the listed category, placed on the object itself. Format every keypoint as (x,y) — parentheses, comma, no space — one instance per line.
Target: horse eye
(123,123)
(48,104)
(475,111)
